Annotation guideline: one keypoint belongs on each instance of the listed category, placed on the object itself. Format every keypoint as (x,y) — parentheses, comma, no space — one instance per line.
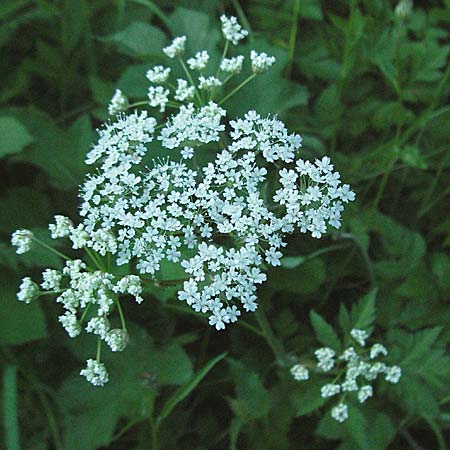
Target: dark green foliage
(367,88)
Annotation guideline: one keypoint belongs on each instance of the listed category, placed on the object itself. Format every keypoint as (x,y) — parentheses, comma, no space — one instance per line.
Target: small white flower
(208,84)
(70,323)
(118,103)
(232,65)
(261,62)
(22,239)
(325,356)
(99,326)
(340,412)
(364,393)
(231,29)
(199,61)
(158,96)
(158,74)
(61,228)
(349,385)
(95,373)
(376,350)
(52,279)
(28,291)
(184,91)
(393,374)
(360,336)
(299,372)
(117,339)
(329,390)
(176,48)
(187,152)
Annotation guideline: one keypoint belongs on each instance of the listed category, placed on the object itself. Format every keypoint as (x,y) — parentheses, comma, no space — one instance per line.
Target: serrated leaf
(307,398)
(324,331)
(363,313)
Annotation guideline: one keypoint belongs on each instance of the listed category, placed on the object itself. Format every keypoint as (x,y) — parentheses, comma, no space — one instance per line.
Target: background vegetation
(361,83)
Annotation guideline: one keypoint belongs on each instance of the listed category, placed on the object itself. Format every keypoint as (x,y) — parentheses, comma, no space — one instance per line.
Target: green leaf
(60,153)
(75,21)
(185,390)
(252,399)
(172,365)
(19,322)
(324,331)
(10,415)
(14,136)
(197,26)
(307,397)
(139,39)
(26,208)
(305,279)
(413,157)
(363,313)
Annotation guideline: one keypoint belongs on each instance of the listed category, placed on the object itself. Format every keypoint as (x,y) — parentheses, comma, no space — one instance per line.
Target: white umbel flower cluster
(261,62)
(95,372)
(232,31)
(299,372)
(199,61)
(176,48)
(220,204)
(351,368)
(23,240)
(28,291)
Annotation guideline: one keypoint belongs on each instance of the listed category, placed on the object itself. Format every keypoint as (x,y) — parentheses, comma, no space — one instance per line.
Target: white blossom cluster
(355,370)
(199,84)
(22,240)
(223,221)
(119,103)
(231,29)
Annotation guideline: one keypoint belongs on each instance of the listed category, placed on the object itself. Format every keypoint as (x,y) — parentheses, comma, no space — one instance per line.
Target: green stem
(154,428)
(293,36)
(83,316)
(99,349)
(250,78)
(188,74)
(122,317)
(142,103)
(51,249)
(224,54)
(95,260)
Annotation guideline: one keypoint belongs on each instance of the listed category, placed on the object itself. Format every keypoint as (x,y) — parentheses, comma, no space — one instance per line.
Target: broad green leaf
(196,25)
(252,399)
(305,278)
(23,208)
(14,136)
(19,322)
(324,331)
(139,39)
(75,21)
(185,390)
(60,153)
(172,365)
